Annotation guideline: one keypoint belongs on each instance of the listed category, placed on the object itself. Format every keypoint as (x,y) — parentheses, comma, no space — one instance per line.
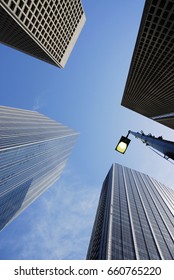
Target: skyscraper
(46,29)
(135,218)
(150,83)
(33,153)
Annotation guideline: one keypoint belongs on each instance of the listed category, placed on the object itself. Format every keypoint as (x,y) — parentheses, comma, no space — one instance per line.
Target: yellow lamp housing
(122,145)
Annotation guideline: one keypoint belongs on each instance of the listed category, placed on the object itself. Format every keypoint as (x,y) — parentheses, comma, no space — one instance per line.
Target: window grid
(52,23)
(149,87)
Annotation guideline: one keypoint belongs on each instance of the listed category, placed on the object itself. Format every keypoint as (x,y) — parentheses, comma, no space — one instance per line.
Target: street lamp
(158,143)
(122,144)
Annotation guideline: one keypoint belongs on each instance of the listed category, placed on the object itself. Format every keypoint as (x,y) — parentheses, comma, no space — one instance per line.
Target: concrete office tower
(134,220)
(46,29)
(149,88)
(33,152)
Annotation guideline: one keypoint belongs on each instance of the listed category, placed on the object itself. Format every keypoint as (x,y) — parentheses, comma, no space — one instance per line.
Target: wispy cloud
(38,103)
(61,224)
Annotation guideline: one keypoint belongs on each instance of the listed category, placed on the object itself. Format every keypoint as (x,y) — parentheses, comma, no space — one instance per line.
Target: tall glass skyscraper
(135,218)
(33,153)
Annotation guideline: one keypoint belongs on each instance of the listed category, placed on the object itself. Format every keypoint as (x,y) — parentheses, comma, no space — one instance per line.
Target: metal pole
(158,143)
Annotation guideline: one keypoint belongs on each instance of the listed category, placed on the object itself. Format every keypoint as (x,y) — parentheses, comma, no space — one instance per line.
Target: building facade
(46,29)
(33,152)
(134,220)
(149,88)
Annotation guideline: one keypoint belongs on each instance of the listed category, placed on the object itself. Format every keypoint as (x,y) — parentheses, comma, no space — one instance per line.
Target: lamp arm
(128,134)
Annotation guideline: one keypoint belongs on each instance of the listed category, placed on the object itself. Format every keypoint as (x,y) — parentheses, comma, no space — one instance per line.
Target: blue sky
(86,96)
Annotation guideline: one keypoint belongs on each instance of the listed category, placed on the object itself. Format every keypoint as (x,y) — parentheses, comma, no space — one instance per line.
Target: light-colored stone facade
(46,29)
